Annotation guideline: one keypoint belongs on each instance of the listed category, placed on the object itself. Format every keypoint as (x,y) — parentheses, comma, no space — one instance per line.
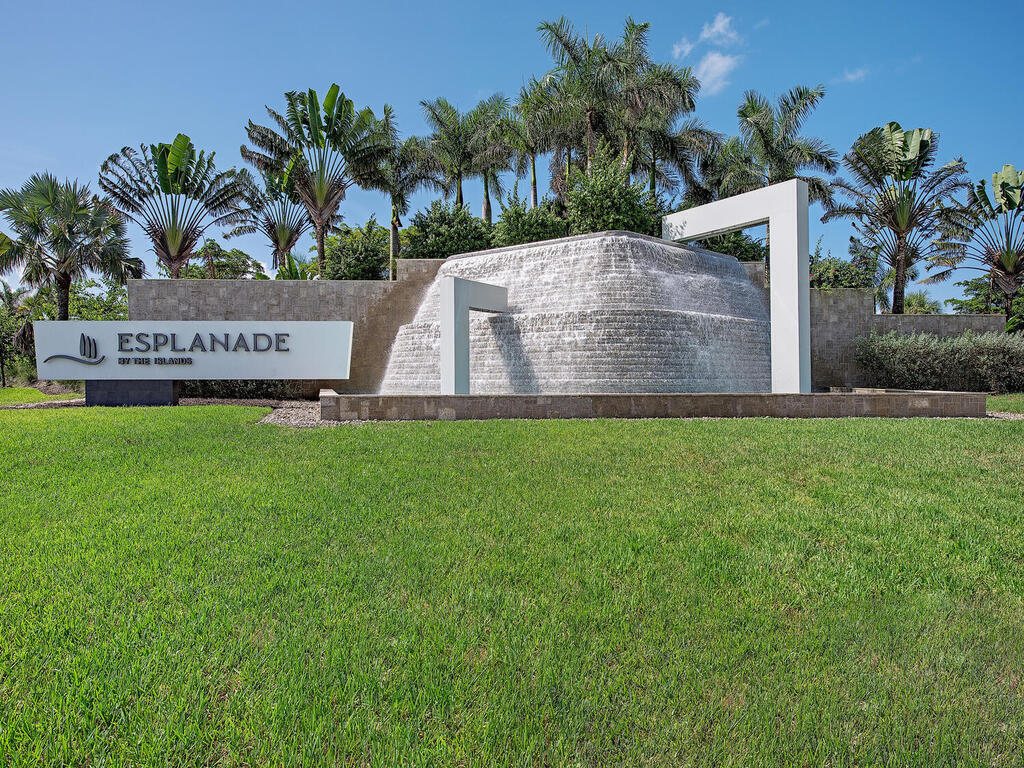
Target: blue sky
(85,79)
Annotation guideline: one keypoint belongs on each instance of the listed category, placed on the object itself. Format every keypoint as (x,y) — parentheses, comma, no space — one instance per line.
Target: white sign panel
(180,349)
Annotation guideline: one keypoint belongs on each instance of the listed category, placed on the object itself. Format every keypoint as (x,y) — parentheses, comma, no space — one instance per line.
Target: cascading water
(611,312)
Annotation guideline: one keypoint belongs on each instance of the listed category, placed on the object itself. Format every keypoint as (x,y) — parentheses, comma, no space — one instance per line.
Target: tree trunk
(899,285)
(533,181)
(211,268)
(590,141)
(458,191)
(486,212)
(1008,307)
(321,235)
(3,370)
(627,147)
(396,244)
(654,175)
(63,284)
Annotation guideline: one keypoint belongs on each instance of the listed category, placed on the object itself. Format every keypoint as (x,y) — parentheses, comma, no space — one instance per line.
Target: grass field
(1006,403)
(187,587)
(19,395)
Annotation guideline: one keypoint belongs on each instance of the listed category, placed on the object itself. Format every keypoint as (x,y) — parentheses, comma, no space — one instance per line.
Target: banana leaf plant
(988,236)
(322,149)
(174,193)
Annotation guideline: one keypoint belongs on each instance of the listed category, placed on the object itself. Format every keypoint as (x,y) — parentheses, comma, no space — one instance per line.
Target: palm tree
(409,167)
(174,193)
(989,236)
(920,303)
(772,137)
(274,211)
(528,132)
(490,150)
(897,200)
(322,149)
(586,81)
(452,144)
(62,231)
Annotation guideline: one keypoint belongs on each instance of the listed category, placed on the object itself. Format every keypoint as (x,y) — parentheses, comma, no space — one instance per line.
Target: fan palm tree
(174,193)
(409,167)
(62,231)
(274,211)
(896,198)
(322,149)
(452,144)
(989,235)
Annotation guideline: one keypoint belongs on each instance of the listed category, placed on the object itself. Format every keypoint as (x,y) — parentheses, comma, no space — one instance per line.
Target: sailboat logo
(88,352)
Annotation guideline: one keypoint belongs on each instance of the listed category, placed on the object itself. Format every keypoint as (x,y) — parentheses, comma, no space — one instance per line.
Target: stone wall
(376,307)
(379,308)
(839,317)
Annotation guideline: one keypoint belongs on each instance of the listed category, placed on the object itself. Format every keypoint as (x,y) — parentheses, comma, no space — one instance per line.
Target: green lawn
(187,587)
(19,395)
(1006,403)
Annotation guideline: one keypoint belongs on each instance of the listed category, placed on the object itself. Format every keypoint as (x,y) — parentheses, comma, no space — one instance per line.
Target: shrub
(988,362)
(606,199)
(445,230)
(738,244)
(519,224)
(357,254)
(242,389)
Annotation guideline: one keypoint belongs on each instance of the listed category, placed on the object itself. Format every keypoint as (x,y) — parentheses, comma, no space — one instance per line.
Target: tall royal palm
(989,235)
(273,210)
(528,133)
(323,149)
(61,232)
(587,78)
(409,167)
(777,151)
(897,199)
(451,143)
(174,193)
(490,147)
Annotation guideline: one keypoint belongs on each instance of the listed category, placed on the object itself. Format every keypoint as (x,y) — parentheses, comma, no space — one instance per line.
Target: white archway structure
(458,297)
(783,207)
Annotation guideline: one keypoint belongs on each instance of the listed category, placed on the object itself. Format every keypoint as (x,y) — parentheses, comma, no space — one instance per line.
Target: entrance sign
(187,349)
(783,207)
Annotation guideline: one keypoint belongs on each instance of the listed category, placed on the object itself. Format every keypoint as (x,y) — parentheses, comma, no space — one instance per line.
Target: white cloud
(720,31)
(852,76)
(682,49)
(762,23)
(714,70)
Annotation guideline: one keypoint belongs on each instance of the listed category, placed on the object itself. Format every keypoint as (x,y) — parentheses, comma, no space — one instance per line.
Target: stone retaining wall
(877,403)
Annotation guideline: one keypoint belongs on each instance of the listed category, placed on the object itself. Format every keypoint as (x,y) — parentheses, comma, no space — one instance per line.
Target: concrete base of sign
(116,392)
(857,402)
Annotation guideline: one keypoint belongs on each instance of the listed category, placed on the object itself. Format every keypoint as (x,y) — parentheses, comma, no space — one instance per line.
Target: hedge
(971,362)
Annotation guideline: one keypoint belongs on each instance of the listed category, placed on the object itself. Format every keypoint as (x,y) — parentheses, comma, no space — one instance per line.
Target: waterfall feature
(603,313)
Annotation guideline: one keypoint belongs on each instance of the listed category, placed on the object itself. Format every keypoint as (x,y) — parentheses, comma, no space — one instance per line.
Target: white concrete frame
(458,297)
(783,207)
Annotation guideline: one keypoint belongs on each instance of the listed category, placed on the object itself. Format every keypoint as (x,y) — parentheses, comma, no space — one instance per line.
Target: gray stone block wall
(376,307)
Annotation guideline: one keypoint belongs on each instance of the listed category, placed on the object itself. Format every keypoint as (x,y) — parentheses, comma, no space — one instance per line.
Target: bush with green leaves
(445,230)
(738,244)
(971,362)
(605,199)
(235,264)
(520,224)
(359,253)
